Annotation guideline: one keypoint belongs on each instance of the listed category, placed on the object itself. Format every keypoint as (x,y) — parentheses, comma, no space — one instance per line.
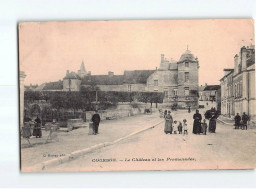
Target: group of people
(174,126)
(199,125)
(35,124)
(241,122)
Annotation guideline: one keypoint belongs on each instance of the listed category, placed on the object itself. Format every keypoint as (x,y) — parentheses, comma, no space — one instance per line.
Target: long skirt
(95,128)
(197,127)
(168,127)
(37,132)
(212,125)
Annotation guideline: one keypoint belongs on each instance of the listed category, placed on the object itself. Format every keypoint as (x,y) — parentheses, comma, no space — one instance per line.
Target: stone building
(178,80)
(238,85)
(209,96)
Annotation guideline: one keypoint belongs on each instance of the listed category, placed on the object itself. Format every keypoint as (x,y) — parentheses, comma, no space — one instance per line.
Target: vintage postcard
(137,95)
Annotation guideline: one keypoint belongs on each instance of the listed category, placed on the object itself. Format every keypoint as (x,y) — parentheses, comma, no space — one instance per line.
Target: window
(186,76)
(155,82)
(175,92)
(165,93)
(186,91)
(201,96)
(129,87)
(186,64)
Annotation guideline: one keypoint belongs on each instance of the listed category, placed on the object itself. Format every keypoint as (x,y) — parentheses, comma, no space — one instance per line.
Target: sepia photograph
(137,95)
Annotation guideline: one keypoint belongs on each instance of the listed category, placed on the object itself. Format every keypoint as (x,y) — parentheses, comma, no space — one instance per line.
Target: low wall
(113,114)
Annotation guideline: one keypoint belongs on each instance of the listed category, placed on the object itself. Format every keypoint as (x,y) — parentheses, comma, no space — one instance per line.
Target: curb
(57,161)
(225,122)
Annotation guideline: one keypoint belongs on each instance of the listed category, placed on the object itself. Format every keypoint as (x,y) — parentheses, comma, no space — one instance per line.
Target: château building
(178,80)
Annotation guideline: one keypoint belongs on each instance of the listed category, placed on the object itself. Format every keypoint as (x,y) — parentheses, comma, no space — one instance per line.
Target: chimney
(156,68)
(89,72)
(236,63)
(162,58)
(205,84)
(243,58)
(67,72)
(110,73)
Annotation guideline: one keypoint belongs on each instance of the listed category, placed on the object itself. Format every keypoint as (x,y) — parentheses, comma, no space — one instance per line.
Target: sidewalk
(78,139)
(226,120)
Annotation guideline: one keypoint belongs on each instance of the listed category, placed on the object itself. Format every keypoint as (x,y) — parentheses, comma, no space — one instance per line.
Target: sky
(48,49)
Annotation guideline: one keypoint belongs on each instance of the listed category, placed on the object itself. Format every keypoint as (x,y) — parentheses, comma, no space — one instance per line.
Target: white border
(14,11)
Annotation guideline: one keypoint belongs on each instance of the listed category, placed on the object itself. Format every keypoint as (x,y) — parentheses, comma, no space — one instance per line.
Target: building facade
(238,85)
(209,96)
(178,80)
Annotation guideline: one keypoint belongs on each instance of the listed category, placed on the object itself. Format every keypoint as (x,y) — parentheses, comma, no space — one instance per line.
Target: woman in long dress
(212,122)
(168,123)
(37,129)
(197,122)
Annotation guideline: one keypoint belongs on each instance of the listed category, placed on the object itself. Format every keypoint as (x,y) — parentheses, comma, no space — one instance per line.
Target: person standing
(197,122)
(185,126)
(204,127)
(165,113)
(168,123)
(237,121)
(37,129)
(212,121)
(96,122)
(245,119)
(189,109)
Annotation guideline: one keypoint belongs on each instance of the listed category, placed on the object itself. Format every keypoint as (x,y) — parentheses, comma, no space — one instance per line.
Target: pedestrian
(175,127)
(245,119)
(168,123)
(37,128)
(185,126)
(197,122)
(165,113)
(180,128)
(189,109)
(204,127)
(212,121)
(237,121)
(96,122)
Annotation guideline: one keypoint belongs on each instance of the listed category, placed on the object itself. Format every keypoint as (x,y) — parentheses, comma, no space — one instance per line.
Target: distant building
(177,80)
(209,96)
(238,85)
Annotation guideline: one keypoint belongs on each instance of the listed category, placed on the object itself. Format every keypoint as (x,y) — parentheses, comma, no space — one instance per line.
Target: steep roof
(187,56)
(58,85)
(129,77)
(231,71)
(137,76)
(103,80)
(211,87)
(72,75)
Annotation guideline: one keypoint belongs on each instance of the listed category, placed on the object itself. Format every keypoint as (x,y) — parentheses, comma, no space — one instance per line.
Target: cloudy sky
(48,49)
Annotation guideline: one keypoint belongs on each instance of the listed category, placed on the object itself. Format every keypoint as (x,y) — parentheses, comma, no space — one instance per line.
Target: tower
(188,67)
(82,72)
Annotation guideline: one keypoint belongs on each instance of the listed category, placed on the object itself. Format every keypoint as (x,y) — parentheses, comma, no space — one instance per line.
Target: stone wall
(113,114)
(74,85)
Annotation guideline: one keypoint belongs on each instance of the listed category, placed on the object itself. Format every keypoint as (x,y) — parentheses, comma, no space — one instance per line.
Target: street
(154,150)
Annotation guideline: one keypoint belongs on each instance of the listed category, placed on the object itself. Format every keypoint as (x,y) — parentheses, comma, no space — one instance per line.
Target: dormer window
(186,64)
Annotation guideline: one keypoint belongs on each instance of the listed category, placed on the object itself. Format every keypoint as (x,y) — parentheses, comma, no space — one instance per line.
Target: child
(185,126)
(180,128)
(175,127)
(204,127)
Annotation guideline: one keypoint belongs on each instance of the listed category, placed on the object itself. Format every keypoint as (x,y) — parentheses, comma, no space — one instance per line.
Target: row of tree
(87,99)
